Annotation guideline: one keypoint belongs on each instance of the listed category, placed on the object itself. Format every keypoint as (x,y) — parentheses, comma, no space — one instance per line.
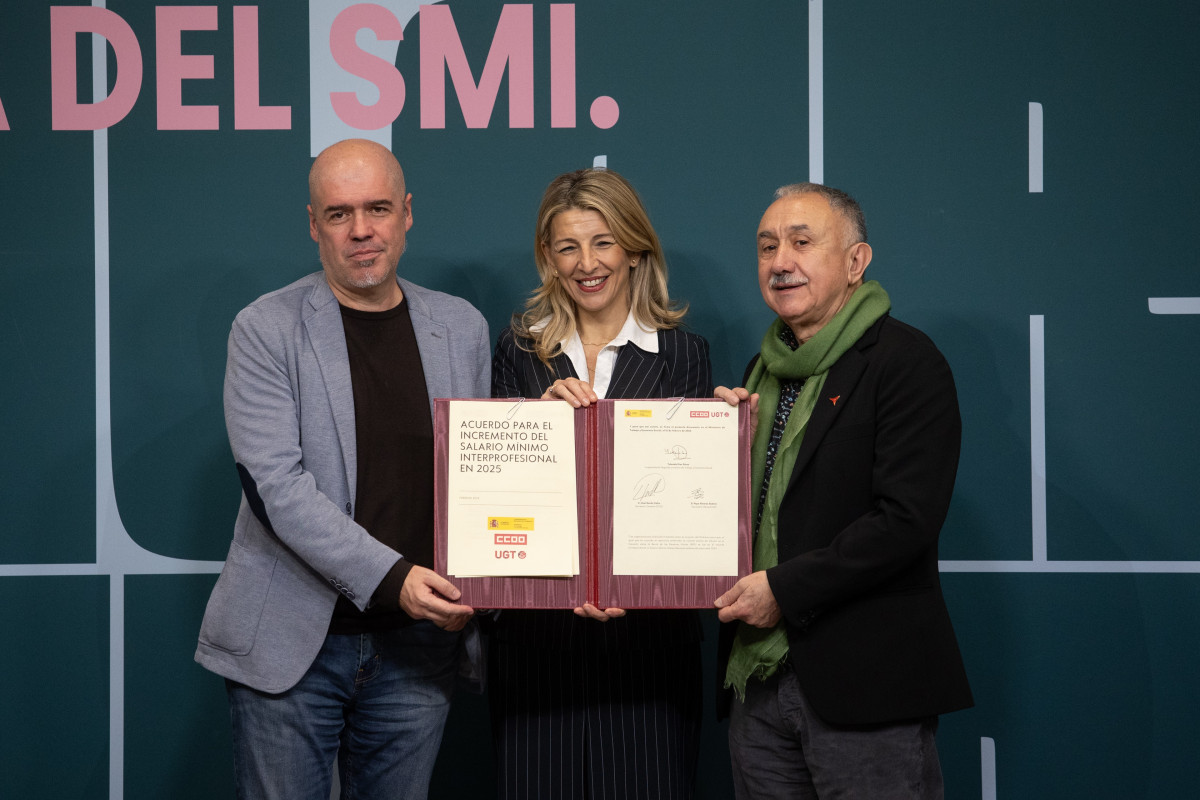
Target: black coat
(857,580)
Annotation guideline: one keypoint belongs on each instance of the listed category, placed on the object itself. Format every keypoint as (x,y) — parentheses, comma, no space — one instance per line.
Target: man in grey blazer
(334,635)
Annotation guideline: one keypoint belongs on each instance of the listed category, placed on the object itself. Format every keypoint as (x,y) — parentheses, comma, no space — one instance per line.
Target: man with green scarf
(839,649)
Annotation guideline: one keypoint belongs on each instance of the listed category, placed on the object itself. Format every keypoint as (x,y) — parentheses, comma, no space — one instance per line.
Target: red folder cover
(595,584)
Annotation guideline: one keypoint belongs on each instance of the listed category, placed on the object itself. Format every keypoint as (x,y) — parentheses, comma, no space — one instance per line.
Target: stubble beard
(366,280)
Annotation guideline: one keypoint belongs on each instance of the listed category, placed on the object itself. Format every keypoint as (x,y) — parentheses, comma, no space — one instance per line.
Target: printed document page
(511,497)
(675,479)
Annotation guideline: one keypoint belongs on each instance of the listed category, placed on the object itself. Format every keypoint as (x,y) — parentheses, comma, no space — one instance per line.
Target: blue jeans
(376,702)
(780,748)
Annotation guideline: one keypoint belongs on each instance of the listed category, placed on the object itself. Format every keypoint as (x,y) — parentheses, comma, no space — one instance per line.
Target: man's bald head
(353,155)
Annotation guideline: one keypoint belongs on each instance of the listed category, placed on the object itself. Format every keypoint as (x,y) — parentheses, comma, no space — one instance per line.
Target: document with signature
(512,506)
(675,502)
(623,504)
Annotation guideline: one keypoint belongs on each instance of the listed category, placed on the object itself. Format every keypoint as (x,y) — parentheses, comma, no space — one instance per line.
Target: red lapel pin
(835,399)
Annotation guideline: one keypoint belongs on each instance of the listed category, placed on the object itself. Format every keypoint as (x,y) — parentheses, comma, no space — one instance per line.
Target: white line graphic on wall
(816,91)
(1174,305)
(1035,147)
(1037,434)
(987,768)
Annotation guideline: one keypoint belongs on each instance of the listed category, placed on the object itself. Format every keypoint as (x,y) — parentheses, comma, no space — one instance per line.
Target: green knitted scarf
(758,652)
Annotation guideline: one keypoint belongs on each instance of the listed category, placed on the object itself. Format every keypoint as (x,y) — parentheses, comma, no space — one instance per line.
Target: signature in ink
(649,486)
(677,452)
(696,494)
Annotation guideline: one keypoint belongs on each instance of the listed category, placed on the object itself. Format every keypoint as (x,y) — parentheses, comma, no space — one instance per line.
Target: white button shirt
(631,332)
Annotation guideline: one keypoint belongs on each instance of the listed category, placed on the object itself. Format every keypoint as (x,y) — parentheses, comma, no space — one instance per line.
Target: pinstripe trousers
(616,725)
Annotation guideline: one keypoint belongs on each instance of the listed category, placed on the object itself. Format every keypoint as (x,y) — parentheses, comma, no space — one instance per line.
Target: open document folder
(626,503)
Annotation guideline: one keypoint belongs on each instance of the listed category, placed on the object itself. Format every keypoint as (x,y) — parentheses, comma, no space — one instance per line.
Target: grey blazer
(289,411)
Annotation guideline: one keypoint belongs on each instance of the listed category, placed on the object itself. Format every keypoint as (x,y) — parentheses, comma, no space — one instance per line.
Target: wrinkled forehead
(808,211)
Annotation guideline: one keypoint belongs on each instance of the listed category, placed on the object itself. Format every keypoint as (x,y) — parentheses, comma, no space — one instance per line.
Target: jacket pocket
(235,607)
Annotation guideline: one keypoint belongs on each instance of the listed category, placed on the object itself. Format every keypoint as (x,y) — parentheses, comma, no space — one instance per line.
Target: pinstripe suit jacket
(680,368)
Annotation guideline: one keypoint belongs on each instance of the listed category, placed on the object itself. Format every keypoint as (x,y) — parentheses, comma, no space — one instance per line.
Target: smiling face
(808,263)
(592,268)
(358,216)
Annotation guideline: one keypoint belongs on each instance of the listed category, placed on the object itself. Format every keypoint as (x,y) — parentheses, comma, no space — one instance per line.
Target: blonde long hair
(550,309)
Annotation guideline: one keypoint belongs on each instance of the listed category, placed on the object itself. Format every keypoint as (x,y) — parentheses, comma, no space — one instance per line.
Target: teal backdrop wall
(1029,175)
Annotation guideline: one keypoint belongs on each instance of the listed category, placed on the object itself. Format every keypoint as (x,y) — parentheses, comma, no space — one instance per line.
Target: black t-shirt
(394,439)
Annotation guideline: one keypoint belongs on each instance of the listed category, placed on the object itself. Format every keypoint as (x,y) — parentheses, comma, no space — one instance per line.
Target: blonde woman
(599,703)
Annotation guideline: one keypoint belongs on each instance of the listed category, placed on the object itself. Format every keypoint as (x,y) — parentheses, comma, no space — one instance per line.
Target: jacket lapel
(839,385)
(636,372)
(323,324)
(560,364)
(432,342)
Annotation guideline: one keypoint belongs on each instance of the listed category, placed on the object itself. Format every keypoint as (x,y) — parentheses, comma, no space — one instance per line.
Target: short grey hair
(839,201)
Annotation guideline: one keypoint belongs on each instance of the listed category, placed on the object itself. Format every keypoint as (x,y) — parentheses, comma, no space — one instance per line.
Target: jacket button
(347,508)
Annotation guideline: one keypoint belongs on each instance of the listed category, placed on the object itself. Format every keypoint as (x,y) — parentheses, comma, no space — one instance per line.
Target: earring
(556,273)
